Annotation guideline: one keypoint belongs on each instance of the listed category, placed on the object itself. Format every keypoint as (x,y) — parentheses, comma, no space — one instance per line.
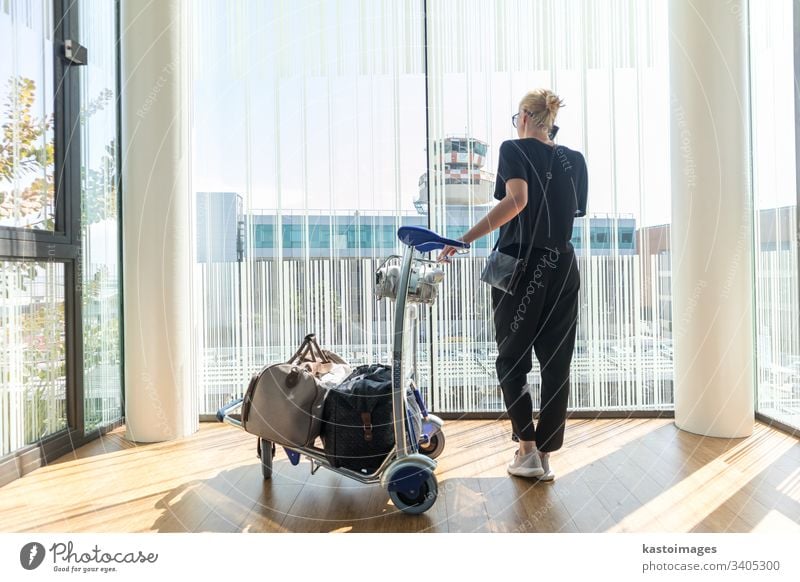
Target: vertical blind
(308,140)
(315,129)
(608,62)
(772,92)
(102,365)
(319,129)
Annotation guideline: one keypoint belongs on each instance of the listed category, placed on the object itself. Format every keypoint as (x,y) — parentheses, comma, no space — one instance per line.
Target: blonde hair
(543,105)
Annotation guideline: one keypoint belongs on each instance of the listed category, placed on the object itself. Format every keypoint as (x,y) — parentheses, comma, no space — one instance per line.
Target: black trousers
(541,316)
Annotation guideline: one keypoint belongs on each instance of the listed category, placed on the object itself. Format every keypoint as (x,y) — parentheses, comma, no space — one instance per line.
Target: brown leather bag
(284,402)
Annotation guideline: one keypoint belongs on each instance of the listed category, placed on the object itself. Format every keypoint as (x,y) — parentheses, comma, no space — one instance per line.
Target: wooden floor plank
(612,475)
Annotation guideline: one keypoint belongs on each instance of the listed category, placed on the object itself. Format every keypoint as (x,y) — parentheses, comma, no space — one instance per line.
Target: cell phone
(553,132)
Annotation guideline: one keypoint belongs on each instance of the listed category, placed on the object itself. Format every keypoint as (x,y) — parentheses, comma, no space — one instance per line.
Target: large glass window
(33,346)
(773,88)
(33,400)
(320,120)
(27,192)
(60,361)
(608,61)
(313,113)
(102,373)
(319,109)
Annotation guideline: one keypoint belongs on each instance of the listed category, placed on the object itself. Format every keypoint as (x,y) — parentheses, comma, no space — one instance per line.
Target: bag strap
(306,351)
(312,341)
(366,422)
(548,176)
(299,352)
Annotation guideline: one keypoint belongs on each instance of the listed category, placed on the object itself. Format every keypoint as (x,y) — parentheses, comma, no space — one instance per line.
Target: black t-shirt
(528,159)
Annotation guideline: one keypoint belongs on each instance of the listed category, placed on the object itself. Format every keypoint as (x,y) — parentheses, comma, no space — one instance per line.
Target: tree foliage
(27,153)
(27,166)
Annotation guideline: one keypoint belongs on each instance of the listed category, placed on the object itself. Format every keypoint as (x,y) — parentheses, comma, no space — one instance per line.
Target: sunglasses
(515,119)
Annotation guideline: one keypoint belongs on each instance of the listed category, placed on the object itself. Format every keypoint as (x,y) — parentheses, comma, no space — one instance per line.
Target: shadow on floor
(662,480)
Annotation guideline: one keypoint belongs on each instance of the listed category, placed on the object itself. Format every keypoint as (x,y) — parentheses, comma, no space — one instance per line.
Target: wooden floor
(612,475)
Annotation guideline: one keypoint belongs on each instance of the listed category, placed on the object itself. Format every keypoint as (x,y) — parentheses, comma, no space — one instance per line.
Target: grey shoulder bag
(503,271)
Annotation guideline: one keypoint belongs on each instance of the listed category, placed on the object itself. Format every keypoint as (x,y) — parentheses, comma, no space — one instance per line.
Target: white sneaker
(548,474)
(528,465)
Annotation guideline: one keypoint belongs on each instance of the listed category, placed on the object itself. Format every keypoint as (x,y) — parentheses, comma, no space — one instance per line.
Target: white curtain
(775,200)
(313,125)
(309,140)
(608,61)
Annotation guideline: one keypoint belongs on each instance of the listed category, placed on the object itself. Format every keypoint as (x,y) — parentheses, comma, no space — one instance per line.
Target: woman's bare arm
(515,200)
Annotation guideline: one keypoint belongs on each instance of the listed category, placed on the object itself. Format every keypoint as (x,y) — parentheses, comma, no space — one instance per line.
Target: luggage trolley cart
(407,473)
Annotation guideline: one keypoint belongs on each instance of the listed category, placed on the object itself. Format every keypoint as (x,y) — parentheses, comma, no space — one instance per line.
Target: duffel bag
(357,431)
(283,402)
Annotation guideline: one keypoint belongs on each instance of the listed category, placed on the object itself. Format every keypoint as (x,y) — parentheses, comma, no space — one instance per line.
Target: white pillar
(159,399)
(712,222)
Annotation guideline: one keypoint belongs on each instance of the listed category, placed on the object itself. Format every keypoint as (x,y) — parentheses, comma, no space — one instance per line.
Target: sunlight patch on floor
(776,522)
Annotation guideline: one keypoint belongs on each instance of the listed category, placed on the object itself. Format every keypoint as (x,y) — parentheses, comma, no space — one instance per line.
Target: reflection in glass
(32,352)
(27,193)
(99,218)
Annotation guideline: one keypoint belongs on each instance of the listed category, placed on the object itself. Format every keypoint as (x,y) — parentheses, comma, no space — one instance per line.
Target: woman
(542,313)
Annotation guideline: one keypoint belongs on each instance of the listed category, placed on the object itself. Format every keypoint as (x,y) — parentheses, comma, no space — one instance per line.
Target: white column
(712,222)
(159,399)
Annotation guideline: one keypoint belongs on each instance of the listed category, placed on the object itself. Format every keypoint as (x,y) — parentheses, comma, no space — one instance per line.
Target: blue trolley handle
(222,412)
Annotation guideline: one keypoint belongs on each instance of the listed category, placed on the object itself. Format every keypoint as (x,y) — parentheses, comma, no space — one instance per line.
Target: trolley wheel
(435,445)
(267,452)
(419,503)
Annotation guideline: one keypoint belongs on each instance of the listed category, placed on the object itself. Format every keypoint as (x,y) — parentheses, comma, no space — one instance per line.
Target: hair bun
(553,103)
(543,106)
